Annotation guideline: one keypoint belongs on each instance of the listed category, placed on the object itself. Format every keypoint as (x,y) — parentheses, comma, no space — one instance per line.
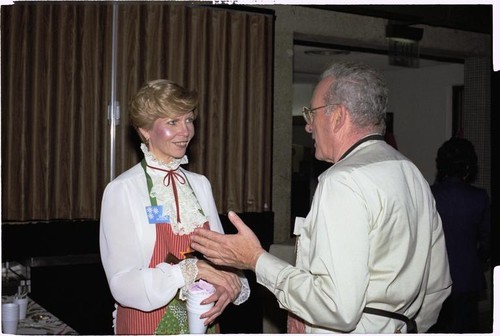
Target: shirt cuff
(268,268)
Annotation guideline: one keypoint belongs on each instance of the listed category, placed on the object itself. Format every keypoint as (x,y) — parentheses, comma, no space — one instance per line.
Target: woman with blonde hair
(148,215)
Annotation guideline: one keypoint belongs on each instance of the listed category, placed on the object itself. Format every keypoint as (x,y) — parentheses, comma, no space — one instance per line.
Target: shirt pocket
(299,225)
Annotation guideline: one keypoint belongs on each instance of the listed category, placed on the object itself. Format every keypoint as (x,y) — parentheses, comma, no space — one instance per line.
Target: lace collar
(153,161)
(176,197)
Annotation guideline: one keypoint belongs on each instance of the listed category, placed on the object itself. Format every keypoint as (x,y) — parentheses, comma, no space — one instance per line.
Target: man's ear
(339,116)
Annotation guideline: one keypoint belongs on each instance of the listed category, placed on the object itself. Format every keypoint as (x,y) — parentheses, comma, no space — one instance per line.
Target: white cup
(23,306)
(10,317)
(195,309)
(197,324)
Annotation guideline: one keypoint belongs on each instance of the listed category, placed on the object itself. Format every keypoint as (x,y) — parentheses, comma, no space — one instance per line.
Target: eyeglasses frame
(308,113)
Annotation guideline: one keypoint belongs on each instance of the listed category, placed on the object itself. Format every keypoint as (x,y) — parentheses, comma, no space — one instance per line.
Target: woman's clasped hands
(227,288)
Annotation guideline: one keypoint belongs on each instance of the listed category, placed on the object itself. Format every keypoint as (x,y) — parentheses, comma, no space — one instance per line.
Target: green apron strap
(149,182)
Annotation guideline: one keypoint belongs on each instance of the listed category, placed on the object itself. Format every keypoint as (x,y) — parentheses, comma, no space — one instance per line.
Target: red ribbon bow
(169,178)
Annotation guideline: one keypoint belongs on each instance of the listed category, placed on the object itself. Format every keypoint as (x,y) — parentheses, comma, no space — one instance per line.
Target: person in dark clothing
(465,213)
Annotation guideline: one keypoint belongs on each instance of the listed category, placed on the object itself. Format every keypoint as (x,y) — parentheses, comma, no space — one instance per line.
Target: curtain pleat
(52,111)
(56,86)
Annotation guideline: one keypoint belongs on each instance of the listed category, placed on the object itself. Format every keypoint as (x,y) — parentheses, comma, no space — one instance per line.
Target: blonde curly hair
(160,98)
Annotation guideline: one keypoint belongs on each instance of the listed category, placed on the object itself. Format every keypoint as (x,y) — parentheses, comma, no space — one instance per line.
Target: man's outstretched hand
(240,250)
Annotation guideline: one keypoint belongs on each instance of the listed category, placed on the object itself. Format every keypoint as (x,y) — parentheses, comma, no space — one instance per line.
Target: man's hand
(239,250)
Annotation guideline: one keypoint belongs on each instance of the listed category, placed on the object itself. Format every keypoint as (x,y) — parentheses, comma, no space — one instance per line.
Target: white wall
(302,93)
(421,101)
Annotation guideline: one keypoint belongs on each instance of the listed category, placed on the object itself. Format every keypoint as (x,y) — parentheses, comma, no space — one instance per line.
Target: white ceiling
(307,67)
(466,17)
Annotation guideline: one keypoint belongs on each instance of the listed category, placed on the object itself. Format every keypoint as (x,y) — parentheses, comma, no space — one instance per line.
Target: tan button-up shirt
(372,238)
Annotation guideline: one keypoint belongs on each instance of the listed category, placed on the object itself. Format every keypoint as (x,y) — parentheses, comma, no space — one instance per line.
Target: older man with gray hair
(371,255)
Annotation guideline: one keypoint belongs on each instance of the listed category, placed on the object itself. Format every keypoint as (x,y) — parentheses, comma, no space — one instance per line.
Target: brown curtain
(53,110)
(56,88)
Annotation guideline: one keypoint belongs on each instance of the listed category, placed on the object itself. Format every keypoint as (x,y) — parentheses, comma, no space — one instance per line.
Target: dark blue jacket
(465,213)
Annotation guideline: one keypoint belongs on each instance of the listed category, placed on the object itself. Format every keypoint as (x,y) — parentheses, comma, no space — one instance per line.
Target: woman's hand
(227,288)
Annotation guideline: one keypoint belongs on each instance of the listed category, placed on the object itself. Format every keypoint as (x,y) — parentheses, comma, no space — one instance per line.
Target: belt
(411,325)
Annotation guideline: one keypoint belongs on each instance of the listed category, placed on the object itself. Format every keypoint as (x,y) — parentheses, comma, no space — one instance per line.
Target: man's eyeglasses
(308,112)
